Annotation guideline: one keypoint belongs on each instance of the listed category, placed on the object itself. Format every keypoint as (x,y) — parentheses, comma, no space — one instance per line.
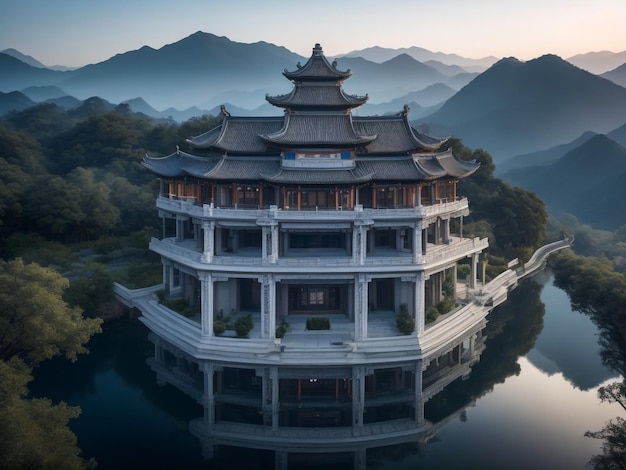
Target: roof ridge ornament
(224,111)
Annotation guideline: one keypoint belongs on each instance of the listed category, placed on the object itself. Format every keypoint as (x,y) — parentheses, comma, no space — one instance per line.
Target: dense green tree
(72,209)
(35,322)
(101,141)
(519,217)
(92,289)
(34,432)
(55,208)
(42,121)
(135,203)
(614,432)
(100,216)
(21,160)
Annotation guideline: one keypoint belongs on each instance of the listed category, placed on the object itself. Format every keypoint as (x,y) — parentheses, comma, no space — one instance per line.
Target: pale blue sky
(78,32)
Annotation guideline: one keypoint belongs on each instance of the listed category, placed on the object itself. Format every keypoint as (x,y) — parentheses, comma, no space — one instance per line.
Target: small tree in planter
(282,329)
(219,327)
(431,314)
(243,326)
(404,321)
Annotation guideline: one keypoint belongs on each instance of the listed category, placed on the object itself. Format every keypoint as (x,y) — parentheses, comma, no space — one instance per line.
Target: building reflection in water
(311,412)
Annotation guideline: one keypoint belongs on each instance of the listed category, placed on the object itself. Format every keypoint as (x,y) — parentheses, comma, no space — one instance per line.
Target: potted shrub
(219,327)
(282,329)
(405,322)
(243,326)
(317,323)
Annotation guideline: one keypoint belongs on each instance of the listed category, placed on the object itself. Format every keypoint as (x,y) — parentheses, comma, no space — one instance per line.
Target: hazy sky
(78,32)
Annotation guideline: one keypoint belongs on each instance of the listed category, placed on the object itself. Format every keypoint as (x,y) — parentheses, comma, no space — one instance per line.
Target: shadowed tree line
(593,274)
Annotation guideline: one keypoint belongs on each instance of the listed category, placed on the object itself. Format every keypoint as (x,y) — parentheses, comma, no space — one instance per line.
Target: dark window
(317,240)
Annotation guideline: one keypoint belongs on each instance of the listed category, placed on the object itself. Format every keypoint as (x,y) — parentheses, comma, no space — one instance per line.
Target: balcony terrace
(190,208)
(250,260)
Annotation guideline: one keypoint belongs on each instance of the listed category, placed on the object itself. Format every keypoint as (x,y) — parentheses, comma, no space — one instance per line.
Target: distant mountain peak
(23,57)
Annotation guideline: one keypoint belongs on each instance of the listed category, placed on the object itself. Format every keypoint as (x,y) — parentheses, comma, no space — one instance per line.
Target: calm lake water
(526,404)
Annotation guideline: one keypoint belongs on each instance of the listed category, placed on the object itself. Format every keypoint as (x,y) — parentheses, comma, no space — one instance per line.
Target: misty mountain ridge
(598,62)
(381,54)
(587,182)
(208,70)
(521,107)
(617,75)
(547,156)
(542,157)
(32,61)
(512,108)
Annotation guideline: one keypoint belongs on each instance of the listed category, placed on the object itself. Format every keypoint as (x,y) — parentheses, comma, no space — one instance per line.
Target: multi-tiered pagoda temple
(323,218)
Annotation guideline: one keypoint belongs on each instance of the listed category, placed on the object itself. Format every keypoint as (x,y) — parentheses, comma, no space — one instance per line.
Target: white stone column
(358,398)
(420,304)
(281,460)
(209,241)
(273,376)
(417,241)
(473,271)
(180,228)
(359,240)
(274,237)
(446,231)
(360,306)
(266,243)
(208,370)
(269,243)
(268,306)
(360,458)
(206,303)
(419,401)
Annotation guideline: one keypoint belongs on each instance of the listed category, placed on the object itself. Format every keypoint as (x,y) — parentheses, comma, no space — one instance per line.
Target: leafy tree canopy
(35,322)
(34,432)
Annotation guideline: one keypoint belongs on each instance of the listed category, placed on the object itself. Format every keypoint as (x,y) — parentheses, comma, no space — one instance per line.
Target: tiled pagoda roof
(392,169)
(318,130)
(317,68)
(382,134)
(238,135)
(395,135)
(316,96)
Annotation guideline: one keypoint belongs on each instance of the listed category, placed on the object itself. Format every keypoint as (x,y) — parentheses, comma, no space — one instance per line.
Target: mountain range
(205,70)
(587,181)
(518,107)
(551,125)
(511,108)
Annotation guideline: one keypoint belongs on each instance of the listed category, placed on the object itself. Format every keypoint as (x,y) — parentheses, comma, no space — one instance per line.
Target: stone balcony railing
(436,254)
(210,212)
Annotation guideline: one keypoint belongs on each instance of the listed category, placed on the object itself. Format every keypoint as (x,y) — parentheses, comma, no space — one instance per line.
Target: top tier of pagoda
(315,134)
(317,86)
